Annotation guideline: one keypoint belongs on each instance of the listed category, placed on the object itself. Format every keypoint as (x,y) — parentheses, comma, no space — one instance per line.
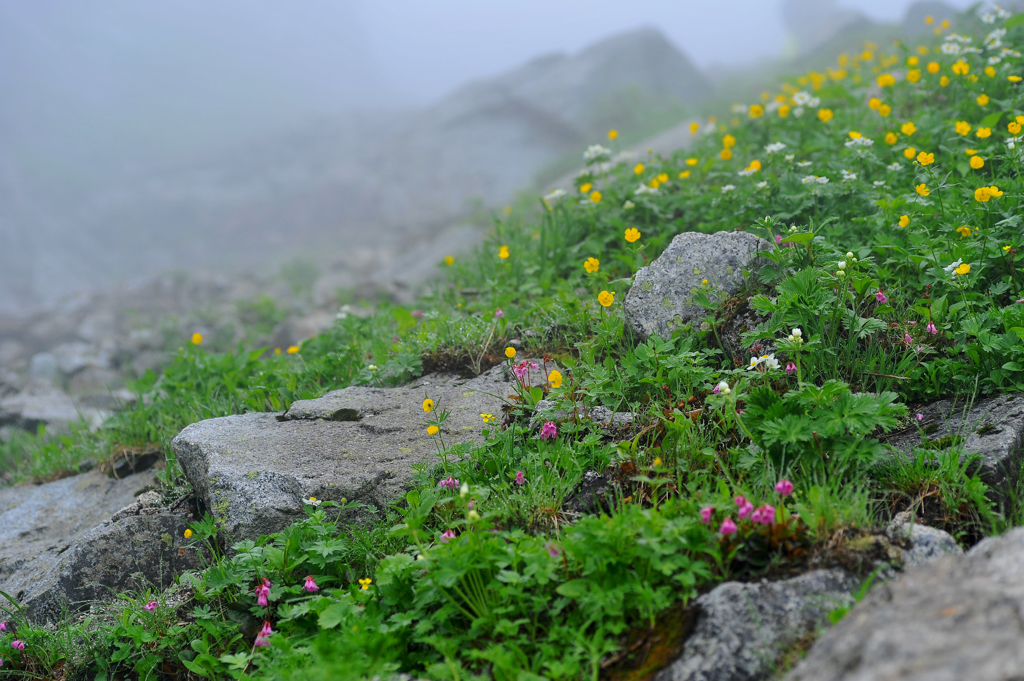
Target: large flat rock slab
(959,617)
(252,471)
(661,299)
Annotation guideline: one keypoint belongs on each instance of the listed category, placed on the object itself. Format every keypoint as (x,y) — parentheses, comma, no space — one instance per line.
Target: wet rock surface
(661,299)
(958,617)
(253,471)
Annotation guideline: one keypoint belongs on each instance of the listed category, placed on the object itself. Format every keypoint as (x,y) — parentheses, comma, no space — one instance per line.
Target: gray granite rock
(42,404)
(68,542)
(661,298)
(926,543)
(360,443)
(742,629)
(992,429)
(959,617)
(548,410)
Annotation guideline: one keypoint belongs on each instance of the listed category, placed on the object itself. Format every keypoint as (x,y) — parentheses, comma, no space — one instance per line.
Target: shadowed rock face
(956,618)
(253,471)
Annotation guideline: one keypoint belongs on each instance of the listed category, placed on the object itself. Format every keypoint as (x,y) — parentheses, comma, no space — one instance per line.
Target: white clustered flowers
(804,164)
(727,188)
(994,40)
(894,166)
(644,189)
(848,176)
(790,157)
(762,185)
(859,142)
(878,184)
(555,195)
(628,205)
(802,99)
(812,179)
(747,173)
(595,152)
(774,147)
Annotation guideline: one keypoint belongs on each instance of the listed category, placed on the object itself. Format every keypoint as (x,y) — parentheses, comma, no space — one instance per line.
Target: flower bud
(842,264)
(464,490)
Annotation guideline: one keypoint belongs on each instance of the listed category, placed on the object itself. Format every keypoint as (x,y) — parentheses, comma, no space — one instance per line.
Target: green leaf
(1013,366)
(1014,21)
(991,120)
(333,615)
(803,238)
(577,588)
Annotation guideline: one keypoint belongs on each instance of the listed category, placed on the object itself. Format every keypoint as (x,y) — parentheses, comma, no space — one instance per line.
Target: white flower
(774,147)
(849,254)
(878,184)
(770,361)
(821,180)
(842,265)
(747,173)
(804,164)
(801,98)
(723,388)
(762,185)
(644,189)
(951,49)
(596,152)
(628,205)
(848,176)
(740,109)
(312,501)
(948,269)
(1011,143)
(555,195)
(992,61)
(798,112)
(894,166)
(754,361)
(987,17)
(790,157)
(808,179)
(772,106)
(728,188)
(994,40)
(859,142)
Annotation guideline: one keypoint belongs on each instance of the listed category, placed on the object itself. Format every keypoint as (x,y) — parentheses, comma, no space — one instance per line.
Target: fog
(141,137)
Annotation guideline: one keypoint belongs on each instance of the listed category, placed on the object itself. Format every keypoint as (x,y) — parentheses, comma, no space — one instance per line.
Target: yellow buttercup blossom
(874,103)
(595,197)
(1014,127)
(994,192)
(913,61)
(365,583)
(432,430)
(944,81)
(1013,79)
(606,299)
(632,234)
(691,161)
(970,152)
(908,128)
(756,111)
(612,134)
(962,127)
(784,111)
(510,352)
(890,138)
(755,165)
(488,418)
(977,162)
(725,154)
(886,80)
(963,269)
(277,351)
(654,183)
(428,405)
(990,71)
(945,23)
(555,379)
(694,127)
(983,194)
(449,261)
(197,339)
(925,159)
(983,133)
(638,168)
(922,189)
(1020,119)
(910,152)
(188,534)
(592,265)
(825,115)
(922,50)
(982,100)
(929,19)
(293,349)
(933,67)
(964,231)
(854,135)
(913,75)
(586,187)
(904,221)
(728,141)
(1006,249)
(961,68)
(503,253)
(684,174)
(884,110)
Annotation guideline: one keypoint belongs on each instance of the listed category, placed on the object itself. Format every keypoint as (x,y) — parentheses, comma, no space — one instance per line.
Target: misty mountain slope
(376,180)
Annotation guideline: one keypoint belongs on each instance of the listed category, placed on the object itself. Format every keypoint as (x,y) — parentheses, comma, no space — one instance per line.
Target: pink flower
(778,239)
(520,478)
(549,431)
(310,584)
(448,483)
(880,297)
(764,515)
(151,606)
(919,416)
(745,510)
(447,536)
(3,626)
(18,645)
(520,370)
(931,328)
(553,550)
(907,339)
(706,513)
(784,487)
(418,314)
(263,638)
(716,390)
(790,367)
(262,591)
(499,313)
(911,323)
(728,527)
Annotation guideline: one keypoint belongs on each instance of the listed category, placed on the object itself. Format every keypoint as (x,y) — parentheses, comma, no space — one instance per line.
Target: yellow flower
(910,152)
(922,50)
(365,583)
(854,135)
(612,134)
(694,127)
(654,183)
(963,269)
(783,111)
(197,339)
(277,351)
(703,282)
(657,461)
(428,405)
(292,349)
(961,68)
(908,129)
(585,188)
(728,141)
(925,159)
(922,189)
(692,161)
(685,174)
(990,71)
(432,430)
(1006,249)
(638,168)
(632,234)
(756,111)
(606,299)
(592,264)
(488,418)
(874,103)
(982,194)
(983,133)
(962,127)
(913,61)
(449,261)
(933,67)
(977,162)
(884,110)
(929,19)
(994,192)
(964,231)
(663,177)
(725,154)
(944,81)
(188,534)
(913,75)
(1013,79)
(755,165)
(982,100)
(1014,127)
(555,379)
(945,23)
(886,80)
(904,221)
(825,115)
(510,352)
(1020,119)
(970,152)
(890,138)
(503,253)
(595,197)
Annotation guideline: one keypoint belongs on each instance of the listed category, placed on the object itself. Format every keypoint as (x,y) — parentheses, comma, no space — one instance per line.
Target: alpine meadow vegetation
(890,186)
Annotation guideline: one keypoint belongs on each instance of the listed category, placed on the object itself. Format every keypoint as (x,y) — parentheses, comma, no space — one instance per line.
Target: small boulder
(661,298)
(926,543)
